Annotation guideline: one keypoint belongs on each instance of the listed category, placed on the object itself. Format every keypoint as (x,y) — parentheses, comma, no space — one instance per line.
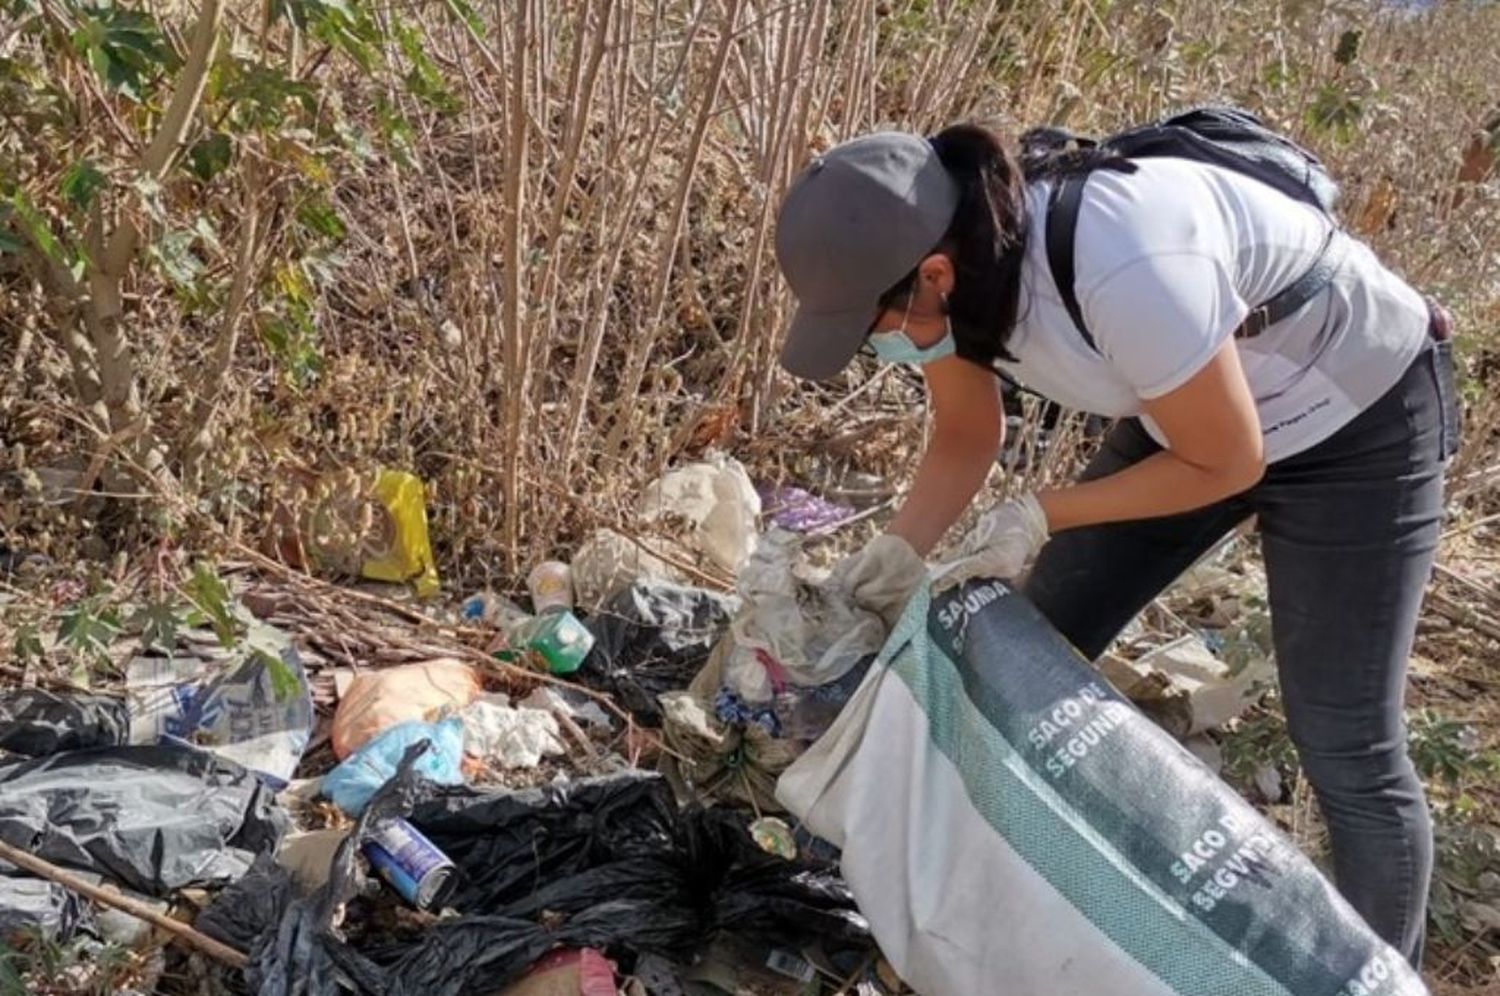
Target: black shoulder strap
(1062,228)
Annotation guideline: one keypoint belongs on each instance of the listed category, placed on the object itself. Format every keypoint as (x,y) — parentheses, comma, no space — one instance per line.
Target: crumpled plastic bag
(727,763)
(294,951)
(791,630)
(355,781)
(652,638)
(375,701)
(717,499)
(243,911)
(154,818)
(38,907)
(37,723)
(801,511)
(595,863)
(406,554)
(509,737)
(606,562)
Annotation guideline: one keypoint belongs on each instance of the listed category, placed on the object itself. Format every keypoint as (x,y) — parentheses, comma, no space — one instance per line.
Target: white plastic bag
(251,705)
(807,634)
(718,499)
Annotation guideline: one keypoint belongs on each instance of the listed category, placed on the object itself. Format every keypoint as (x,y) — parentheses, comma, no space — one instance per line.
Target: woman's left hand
(1001,544)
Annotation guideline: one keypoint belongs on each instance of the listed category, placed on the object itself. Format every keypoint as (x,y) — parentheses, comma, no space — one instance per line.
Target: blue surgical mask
(896,346)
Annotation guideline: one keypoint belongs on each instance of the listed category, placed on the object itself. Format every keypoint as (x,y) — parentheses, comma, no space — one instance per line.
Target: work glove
(1001,543)
(880,577)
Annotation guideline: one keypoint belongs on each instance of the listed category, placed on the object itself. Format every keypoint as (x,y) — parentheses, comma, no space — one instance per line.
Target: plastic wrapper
(375,701)
(251,705)
(403,552)
(801,511)
(355,523)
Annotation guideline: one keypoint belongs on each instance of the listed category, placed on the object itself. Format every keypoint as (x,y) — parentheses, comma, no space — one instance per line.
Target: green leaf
(263,96)
(81,183)
(210,597)
(345,27)
(125,48)
(284,683)
(293,342)
(210,156)
(397,132)
(88,631)
(319,216)
(205,231)
(424,80)
(159,621)
(10,243)
(1348,47)
(1336,111)
(464,11)
(36,227)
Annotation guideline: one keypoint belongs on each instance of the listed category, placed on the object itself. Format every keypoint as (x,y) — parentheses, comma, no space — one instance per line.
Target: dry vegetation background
(523,250)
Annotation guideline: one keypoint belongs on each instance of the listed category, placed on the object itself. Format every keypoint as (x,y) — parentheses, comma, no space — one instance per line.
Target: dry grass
(571,284)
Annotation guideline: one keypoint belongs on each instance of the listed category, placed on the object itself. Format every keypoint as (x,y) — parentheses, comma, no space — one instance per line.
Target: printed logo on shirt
(1298,418)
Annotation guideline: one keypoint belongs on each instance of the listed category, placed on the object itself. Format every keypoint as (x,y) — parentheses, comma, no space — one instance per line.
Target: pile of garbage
(594,814)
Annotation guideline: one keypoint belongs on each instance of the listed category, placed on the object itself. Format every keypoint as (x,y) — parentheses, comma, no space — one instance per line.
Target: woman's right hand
(880,577)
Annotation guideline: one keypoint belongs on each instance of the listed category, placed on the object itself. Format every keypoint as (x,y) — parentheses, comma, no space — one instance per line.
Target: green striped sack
(1012,825)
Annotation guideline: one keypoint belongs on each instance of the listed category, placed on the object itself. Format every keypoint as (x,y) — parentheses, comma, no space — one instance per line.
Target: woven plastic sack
(1010,824)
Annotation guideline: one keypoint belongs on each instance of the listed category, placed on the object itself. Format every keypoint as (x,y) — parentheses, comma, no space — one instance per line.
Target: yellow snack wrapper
(407,554)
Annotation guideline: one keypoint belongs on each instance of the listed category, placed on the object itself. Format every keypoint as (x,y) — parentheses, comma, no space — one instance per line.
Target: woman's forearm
(1162,484)
(950,474)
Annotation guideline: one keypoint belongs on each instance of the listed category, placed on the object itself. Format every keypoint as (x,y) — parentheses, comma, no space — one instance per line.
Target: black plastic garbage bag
(651,638)
(154,818)
(243,913)
(40,908)
(608,863)
(509,845)
(563,848)
(37,723)
(297,952)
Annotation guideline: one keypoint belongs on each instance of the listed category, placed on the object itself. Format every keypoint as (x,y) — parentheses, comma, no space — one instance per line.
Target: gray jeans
(1348,531)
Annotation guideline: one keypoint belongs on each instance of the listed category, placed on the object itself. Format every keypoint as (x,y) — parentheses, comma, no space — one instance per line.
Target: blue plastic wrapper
(355,781)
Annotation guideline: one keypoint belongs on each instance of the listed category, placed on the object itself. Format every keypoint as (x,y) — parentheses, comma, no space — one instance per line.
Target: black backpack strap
(1062,228)
(1300,291)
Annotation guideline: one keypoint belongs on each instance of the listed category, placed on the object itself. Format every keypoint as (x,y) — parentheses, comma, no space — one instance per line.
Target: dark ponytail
(987,238)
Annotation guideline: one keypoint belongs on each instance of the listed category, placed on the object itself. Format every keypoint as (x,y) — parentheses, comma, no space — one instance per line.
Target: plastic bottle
(551,586)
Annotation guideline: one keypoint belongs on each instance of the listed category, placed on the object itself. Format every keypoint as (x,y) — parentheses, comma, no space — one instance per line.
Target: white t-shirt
(1168,261)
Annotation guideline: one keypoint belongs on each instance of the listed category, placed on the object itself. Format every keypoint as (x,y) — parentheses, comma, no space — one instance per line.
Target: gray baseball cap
(855,221)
